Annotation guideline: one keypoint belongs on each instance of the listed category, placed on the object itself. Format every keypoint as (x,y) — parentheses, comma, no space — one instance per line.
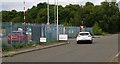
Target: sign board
(81,27)
(63,37)
(43,39)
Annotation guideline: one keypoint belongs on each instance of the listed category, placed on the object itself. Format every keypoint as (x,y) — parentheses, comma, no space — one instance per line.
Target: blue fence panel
(89,29)
(48,31)
(43,30)
(51,33)
(72,31)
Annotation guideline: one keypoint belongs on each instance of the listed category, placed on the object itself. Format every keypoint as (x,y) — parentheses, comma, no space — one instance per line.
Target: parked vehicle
(17,36)
(84,37)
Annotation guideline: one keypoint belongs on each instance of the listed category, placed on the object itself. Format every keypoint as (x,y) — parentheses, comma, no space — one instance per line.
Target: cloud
(18,4)
(21,0)
(12,5)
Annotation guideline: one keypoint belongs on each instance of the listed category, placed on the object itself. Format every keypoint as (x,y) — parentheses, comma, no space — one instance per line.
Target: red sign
(81,27)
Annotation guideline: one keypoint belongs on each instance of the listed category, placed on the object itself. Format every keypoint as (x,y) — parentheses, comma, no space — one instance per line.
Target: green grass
(9,47)
(104,33)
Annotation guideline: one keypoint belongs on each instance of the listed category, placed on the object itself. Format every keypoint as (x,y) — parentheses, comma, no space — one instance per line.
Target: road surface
(104,49)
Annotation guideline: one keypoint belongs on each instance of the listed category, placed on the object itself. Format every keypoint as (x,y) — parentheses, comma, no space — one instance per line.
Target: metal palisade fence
(72,31)
(48,31)
(35,31)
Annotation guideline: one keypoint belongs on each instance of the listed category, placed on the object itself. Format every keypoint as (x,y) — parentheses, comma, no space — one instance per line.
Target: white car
(84,37)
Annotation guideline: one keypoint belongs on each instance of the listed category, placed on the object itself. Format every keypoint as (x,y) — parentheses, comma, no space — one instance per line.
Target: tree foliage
(97,29)
(106,15)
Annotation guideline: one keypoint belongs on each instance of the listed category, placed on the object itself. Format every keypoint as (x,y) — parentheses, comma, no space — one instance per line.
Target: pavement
(103,49)
(25,50)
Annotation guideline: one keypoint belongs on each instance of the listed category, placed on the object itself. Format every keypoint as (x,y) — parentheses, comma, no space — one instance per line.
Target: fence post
(42,31)
(64,29)
(11,34)
(28,32)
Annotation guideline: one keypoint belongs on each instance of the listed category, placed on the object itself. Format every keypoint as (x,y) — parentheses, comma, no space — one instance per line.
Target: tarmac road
(103,49)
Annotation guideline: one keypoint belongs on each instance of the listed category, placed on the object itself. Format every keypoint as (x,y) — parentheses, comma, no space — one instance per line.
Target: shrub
(97,29)
(6,47)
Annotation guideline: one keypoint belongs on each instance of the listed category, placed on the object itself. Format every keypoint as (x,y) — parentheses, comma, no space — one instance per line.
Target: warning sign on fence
(43,39)
(63,37)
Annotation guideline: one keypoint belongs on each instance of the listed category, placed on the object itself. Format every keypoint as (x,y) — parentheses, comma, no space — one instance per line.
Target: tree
(32,14)
(106,15)
(16,19)
(0,18)
(96,29)
(41,16)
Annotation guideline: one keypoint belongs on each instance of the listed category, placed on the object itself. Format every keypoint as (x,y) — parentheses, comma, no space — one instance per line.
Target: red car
(17,36)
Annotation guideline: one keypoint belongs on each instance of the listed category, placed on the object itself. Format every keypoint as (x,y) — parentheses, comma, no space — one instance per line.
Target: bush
(96,29)
(18,45)
(6,47)
(22,45)
(104,33)
(15,46)
(9,47)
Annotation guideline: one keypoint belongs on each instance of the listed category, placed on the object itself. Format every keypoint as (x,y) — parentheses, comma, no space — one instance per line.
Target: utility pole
(48,13)
(11,34)
(25,15)
(55,11)
(57,20)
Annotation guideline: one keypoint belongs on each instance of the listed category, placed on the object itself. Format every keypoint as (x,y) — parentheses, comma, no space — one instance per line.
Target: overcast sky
(18,4)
